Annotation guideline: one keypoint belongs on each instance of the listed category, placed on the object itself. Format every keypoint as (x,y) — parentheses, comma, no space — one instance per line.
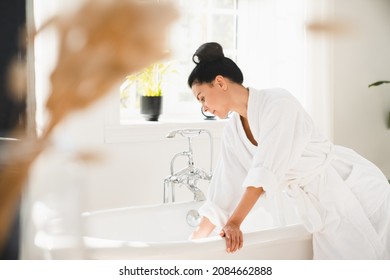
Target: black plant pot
(151,107)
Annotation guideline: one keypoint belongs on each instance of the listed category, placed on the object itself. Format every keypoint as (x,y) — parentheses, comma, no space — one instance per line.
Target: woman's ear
(221,82)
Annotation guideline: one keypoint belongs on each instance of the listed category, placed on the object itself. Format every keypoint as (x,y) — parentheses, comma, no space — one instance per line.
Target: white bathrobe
(342,198)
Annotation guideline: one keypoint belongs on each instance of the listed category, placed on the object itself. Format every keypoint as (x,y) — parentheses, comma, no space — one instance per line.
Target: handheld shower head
(172,134)
(188,133)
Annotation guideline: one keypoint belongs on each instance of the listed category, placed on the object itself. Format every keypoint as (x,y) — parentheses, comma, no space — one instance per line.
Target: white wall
(360,57)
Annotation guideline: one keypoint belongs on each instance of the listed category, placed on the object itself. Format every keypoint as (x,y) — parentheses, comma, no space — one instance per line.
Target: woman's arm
(203,230)
(231,231)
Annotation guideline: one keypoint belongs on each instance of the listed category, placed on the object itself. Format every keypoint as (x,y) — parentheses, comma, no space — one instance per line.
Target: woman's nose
(203,109)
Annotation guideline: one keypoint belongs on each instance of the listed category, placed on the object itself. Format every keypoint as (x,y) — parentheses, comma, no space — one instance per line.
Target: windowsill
(150,131)
(169,119)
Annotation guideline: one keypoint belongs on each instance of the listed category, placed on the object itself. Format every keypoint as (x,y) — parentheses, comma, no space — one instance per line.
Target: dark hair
(210,62)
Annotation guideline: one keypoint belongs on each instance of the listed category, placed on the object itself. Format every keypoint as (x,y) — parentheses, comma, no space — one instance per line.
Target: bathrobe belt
(313,213)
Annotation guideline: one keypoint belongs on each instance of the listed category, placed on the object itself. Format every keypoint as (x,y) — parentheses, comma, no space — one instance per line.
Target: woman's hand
(203,230)
(233,237)
(231,231)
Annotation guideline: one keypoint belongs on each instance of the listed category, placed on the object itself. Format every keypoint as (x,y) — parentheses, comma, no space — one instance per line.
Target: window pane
(223,30)
(223,4)
(191,5)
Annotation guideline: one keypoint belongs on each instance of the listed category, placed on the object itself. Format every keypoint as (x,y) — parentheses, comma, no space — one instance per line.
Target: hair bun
(208,52)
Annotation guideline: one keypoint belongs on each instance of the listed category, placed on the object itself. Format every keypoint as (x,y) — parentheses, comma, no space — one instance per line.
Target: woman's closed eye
(202,99)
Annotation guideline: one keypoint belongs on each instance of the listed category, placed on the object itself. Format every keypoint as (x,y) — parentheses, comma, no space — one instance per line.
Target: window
(266,38)
(199,22)
(272,44)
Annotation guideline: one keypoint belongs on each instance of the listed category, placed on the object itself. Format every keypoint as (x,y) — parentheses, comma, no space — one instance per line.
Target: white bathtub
(161,232)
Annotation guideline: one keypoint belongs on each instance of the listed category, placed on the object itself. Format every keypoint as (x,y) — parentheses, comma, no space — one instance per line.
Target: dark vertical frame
(12,111)
(12,23)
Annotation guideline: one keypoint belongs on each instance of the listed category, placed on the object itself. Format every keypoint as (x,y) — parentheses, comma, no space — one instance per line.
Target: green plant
(150,79)
(378,83)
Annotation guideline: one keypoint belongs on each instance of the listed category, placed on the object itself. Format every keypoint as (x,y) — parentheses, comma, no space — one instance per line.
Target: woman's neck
(240,95)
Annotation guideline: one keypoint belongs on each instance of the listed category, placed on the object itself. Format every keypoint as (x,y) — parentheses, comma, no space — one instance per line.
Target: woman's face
(213,97)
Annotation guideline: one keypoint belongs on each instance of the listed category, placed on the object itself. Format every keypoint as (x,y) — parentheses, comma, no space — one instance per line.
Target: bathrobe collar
(252,109)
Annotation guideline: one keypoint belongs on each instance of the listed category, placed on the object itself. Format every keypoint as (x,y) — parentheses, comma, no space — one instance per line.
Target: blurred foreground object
(99,45)
(329,28)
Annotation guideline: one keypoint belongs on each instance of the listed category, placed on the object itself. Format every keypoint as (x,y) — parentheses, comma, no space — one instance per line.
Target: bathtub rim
(102,248)
(268,237)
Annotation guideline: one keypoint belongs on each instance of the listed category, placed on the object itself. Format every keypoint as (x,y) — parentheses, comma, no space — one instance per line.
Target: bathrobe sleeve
(224,190)
(284,130)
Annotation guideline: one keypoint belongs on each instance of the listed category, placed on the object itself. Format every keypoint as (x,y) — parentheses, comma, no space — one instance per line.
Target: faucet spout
(198,194)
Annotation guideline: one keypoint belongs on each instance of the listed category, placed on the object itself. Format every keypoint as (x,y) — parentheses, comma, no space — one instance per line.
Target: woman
(269,145)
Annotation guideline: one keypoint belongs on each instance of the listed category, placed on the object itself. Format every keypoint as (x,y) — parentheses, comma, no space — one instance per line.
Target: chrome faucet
(189,175)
